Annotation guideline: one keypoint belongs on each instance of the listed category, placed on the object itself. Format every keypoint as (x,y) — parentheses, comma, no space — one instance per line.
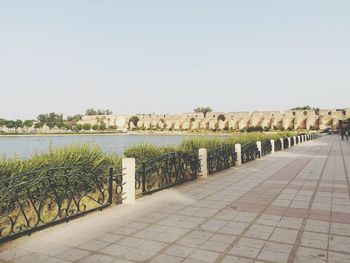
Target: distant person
(342,133)
(347,134)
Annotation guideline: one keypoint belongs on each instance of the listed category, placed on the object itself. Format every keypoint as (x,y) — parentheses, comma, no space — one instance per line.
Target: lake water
(27,146)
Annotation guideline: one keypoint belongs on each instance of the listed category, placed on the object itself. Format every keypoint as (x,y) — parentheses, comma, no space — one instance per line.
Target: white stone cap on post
(238,150)
(128,165)
(203,158)
(282,144)
(258,144)
(272,145)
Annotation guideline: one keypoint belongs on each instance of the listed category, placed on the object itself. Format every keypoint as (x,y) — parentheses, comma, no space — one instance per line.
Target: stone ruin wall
(274,120)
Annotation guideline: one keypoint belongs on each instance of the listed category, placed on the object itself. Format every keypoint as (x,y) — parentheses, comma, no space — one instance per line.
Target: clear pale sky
(172,56)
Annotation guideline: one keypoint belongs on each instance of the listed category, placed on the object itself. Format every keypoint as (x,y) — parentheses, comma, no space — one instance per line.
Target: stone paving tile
(165,258)
(94,245)
(97,258)
(179,251)
(32,258)
(139,254)
(317,226)
(259,232)
(284,235)
(203,256)
(73,254)
(339,243)
(56,260)
(305,255)
(334,257)
(315,240)
(116,250)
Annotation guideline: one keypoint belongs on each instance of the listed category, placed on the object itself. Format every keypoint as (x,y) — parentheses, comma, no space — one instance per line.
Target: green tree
(28,123)
(134,120)
(18,124)
(79,127)
(90,112)
(75,118)
(3,122)
(87,126)
(10,124)
(203,110)
(102,127)
(221,117)
(104,112)
(51,120)
(95,127)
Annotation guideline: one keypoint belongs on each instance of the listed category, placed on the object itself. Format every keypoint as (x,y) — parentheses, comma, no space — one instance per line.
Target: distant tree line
(90,112)
(53,119)
(307,107)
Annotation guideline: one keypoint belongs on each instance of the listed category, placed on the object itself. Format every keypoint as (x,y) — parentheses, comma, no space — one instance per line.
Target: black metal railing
(266,147)
(285,143)
(166,171)
(297,140)
(37,199)
(292,141)
(221,158)
(250,152)
(278,145)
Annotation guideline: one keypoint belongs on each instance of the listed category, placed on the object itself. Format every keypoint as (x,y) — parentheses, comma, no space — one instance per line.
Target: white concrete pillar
(273,146)
(288,142)
(282,144)
(238,150)
(295,140)
(258,144)
(203,157)
(128,165)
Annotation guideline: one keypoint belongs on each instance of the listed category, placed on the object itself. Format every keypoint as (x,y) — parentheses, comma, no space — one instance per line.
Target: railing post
(295,140)
(110,184)
(282,144)
(238,150)
(128,165)
(258,144)
(203,158)
(272,146)
(289,144)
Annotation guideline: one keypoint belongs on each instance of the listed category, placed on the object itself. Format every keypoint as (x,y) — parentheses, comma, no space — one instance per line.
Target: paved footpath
(291,206)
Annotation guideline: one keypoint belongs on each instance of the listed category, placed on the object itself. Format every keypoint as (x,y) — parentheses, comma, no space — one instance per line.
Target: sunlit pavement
(290,206)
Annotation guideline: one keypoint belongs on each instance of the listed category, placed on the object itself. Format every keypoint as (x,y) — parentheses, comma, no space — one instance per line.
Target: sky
(161,56)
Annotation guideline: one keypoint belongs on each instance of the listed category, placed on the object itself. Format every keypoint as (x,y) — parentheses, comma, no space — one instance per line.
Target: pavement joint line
(296,245)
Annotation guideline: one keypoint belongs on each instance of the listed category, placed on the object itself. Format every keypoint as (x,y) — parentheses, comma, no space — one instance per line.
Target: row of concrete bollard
(238,149)
(128,165)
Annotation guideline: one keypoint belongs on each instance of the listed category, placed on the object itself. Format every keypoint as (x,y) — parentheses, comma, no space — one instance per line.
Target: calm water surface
(27,146)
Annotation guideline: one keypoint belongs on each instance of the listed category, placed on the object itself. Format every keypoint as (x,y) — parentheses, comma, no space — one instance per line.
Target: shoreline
(135,133)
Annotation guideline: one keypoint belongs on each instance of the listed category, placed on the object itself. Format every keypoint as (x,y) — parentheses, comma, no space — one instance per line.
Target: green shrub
(90,157)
